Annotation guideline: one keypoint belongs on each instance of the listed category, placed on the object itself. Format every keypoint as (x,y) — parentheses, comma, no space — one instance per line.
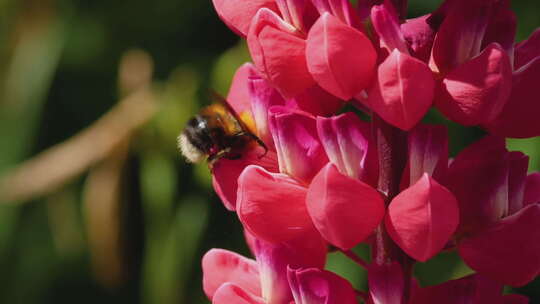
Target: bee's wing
(220,100)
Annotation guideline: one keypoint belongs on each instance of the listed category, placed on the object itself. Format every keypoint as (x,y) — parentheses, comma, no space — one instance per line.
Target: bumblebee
(216,132)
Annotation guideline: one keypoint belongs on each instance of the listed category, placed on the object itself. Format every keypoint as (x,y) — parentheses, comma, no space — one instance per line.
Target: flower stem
(392,151)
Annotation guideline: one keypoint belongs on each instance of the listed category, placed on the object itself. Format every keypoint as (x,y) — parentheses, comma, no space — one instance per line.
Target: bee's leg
(215,157)
(256,139)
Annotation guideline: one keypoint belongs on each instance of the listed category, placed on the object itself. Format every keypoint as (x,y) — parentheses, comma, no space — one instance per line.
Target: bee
(216,132)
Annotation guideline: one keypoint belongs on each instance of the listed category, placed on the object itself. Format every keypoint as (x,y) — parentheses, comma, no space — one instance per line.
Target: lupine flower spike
(332,179)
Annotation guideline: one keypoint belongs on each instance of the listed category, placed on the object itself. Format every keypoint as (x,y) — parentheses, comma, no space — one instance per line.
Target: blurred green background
(98,204)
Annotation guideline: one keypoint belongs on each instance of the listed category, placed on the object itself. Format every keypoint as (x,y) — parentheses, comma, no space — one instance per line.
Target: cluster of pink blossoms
(334,181)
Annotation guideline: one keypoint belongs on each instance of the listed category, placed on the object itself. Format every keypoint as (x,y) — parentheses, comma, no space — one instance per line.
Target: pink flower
(229,278)
(315,286)
(470,289)
(424,216)
(473,52)
(402,92)
(519,116)
(295,53)
(330,178)
(473,61)
(344,207)
(498,235)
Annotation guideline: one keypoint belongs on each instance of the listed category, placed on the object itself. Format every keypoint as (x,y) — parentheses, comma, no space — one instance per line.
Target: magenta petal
(300,154)
(341,9)
(294,12)
(527,50)
(422,218)
(385,283)
(489,148)
(238,96)
(518,163)
(519,118)
(346,140)
(278,51)
(476,91)
(515,299)
(386,23)
(225,173)
(238,14)
(315,286)
(263,96)
(428,152)
(343,209)
(460,35)
(272,206)
(478,177)
(502,27)
(332,57)
(470,289)
(532,189)
(230,293)
(507,251)
(403,91)
(419,35)
(222,266)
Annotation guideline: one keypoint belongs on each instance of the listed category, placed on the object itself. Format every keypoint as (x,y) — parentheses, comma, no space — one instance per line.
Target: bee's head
(189,150)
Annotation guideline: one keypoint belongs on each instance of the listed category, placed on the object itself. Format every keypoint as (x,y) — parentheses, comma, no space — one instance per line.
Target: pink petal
(470,289)
(230,293)
(532,189)
(238,96)
(419,36)
(344,210)
(238,14)
(507,251)
(422,218)
(403,91)
(460,35)
(309,250)
(386,24)
(315,286)
(300,154)
(345,140)
(428,153)
(332,57)
(519,118)
(263,96)
(225,173)
(385,283)
(278,51)
(222,266)
(251,242)
(476,91)
(316,101)
(272,206)
(527,50)
(515,299)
